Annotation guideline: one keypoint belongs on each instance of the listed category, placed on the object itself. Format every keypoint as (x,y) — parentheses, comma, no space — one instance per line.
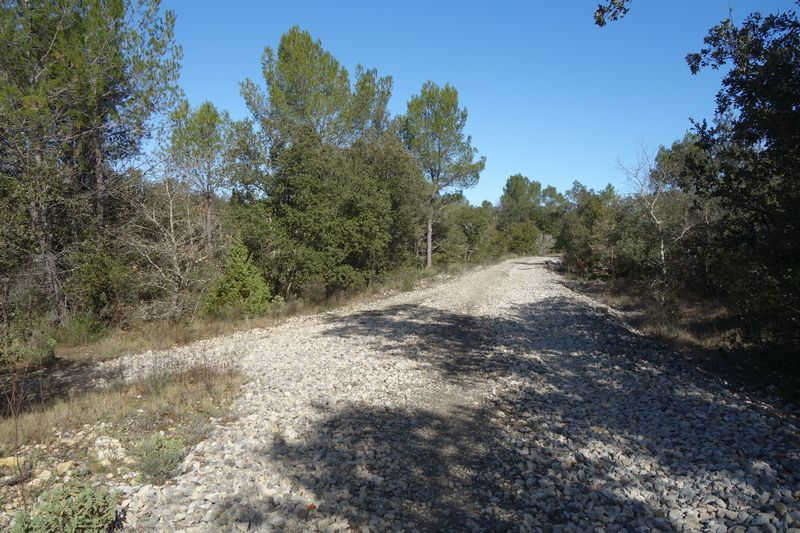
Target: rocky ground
(497,401)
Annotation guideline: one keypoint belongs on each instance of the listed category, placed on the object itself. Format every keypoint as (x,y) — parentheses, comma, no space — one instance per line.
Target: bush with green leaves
(240,290)
(27,342)
(75,507)
(523,238)
(99,283)
(158,457)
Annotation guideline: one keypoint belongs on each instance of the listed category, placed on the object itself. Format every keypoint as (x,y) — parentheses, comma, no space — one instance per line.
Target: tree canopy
(320,191)
(433,130)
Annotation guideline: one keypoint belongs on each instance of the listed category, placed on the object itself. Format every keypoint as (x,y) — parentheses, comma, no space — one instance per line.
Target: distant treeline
(122,203)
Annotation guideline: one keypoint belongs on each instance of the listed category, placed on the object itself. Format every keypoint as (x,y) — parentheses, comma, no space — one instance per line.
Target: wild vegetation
(715,215)
(125,205)
(126,208)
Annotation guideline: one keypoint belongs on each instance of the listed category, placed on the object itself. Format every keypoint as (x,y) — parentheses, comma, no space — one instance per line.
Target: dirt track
(500,400)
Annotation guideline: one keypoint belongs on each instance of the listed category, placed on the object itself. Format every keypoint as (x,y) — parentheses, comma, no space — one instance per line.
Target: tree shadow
(427,471)
(549,263)
(709,336)
(566,441)
(24,391)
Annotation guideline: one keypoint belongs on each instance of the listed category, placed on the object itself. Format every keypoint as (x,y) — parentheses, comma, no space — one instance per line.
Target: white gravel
(497,401)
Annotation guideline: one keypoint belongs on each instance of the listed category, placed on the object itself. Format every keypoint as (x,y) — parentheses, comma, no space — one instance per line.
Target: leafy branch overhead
(611,11)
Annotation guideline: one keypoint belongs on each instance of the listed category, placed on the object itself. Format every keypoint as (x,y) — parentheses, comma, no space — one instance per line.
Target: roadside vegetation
(66,447)
(134,220)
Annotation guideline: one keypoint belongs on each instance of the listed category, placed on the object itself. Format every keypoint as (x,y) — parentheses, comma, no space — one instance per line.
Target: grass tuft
(157,457)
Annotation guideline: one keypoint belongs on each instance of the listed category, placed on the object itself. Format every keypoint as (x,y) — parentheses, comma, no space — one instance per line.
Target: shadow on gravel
(550,264)
(39,388)
(434,473)
(597,426)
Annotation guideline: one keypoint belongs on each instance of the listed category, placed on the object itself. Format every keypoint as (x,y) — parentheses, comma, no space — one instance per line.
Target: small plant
(71,508)
(158,457)
(240,289)
(408,279)
(31,347)
(80,328)
(100,281)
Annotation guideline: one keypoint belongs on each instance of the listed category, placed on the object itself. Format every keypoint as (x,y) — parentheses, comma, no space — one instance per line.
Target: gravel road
(497,401)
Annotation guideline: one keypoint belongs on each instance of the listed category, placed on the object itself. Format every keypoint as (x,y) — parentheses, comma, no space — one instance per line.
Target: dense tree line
(124,203)
(718,212)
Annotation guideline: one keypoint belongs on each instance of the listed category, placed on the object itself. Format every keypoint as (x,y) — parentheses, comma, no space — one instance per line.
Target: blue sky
(549,94)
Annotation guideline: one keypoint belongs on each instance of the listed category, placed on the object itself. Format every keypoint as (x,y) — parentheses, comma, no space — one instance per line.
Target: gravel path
(498,401)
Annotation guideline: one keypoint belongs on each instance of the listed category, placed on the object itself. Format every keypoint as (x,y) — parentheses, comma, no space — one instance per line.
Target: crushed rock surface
(498,401)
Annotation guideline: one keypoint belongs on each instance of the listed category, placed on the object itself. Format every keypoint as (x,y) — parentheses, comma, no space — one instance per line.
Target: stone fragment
(108,450)
(66,466)
(12,463)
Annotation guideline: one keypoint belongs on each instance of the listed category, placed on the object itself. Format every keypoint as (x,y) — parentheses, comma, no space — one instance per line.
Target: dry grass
(180,401)
(706,333)
(685,319)
(176,408)
(160,335)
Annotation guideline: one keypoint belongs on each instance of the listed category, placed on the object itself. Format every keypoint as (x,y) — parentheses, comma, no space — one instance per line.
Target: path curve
(498,401)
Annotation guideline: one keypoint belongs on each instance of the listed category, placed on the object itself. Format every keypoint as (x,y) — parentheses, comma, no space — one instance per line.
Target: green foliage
(28,343)
(468,233)
(80,328)
(520,202)
(80,82)
(307,86)
(755,145)
(433,130)
(71,508)
(740,175)
(329,193)
(524,238)
(197,156)
(529,215)
(98,284)
(340,193)
(240,289)
(395,171)
(157,457)
(586,235)
(26,335)
(332,219)
(611,10)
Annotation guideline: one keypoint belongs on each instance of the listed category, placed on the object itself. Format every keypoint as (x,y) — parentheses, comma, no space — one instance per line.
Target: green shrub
(98,284)
(240,290)
(80,328)
(158,457)
(71,508)
(524,238)
(27,341)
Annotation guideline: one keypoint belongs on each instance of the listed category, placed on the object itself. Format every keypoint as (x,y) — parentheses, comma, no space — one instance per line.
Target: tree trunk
(428,261)
(100,181)
(663,289)
(47,262)
(209,221)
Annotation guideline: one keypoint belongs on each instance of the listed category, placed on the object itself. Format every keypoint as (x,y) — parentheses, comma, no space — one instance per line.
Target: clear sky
(549,94)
